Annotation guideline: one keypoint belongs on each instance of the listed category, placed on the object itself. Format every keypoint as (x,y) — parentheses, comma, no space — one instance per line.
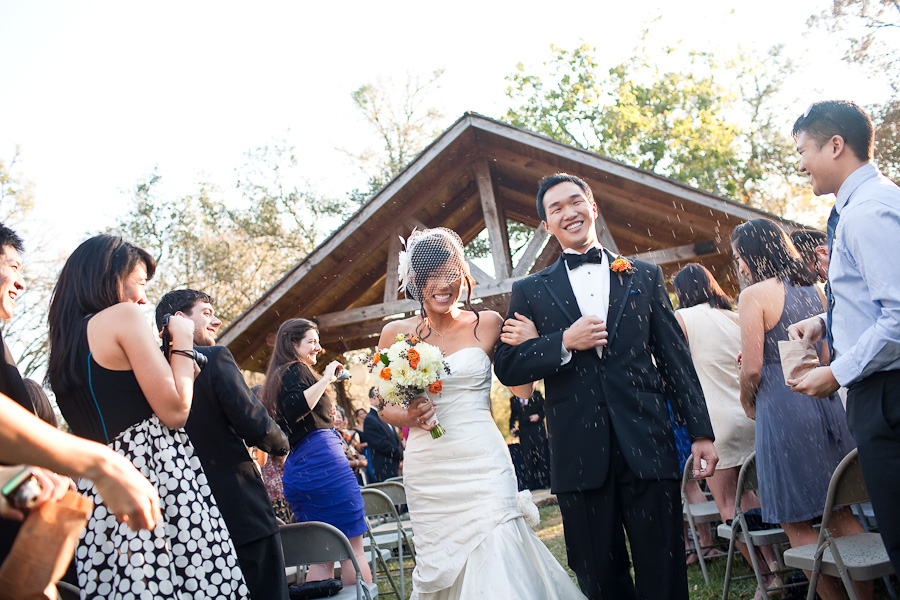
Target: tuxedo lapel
(556,278)
(619,289)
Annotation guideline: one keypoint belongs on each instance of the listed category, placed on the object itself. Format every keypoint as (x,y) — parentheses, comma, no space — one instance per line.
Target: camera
(22,490)
(342,374)
(199,358)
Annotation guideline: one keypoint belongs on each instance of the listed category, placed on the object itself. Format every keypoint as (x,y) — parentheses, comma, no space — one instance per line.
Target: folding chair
(859,557)
(701,512)
(380,506)
(314,542)
(739,531)
(397,493)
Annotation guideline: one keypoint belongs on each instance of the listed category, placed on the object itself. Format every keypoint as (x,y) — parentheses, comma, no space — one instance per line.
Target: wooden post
(493,221)
(392,279)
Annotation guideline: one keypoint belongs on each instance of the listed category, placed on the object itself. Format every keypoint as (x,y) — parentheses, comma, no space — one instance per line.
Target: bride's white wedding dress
(470,535)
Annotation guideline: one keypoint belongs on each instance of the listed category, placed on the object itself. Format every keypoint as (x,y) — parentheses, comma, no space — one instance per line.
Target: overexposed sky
(98,93)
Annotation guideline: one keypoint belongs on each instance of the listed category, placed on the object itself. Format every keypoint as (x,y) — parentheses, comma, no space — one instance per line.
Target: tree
(871,32)
(403,120)
(233,253)
(27,330)
(698,125)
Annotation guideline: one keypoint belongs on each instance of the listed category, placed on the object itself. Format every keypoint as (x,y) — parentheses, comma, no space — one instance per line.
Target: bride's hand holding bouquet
(405,371)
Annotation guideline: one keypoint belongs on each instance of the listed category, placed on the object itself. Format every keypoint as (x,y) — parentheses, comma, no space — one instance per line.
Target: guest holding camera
(318,482)
(114,386)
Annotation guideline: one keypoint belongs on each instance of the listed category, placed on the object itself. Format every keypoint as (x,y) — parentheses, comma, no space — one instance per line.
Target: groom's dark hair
(552,180)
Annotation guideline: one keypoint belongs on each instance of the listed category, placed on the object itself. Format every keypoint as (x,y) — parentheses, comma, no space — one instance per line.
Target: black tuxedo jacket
(224,415)
(385,446)
(645,361)
(519,414)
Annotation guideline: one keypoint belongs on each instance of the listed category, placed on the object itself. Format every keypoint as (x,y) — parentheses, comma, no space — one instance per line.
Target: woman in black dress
(114,386)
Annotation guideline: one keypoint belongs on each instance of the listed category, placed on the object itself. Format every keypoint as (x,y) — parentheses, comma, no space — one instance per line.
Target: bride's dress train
(470,535)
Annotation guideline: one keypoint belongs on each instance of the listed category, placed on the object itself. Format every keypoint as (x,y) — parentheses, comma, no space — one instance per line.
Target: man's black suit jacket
(645,361)
(385,446)
(224,415)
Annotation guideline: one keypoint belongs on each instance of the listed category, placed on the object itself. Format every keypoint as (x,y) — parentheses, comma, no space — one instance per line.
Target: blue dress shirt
(864,275)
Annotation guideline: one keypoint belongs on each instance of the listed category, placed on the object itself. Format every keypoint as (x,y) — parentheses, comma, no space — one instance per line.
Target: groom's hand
(587,332)
(703,450)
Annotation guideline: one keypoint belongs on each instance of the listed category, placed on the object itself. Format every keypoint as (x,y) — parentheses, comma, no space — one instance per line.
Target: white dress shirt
(590,284)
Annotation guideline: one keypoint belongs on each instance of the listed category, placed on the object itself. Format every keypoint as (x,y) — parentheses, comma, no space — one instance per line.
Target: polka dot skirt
(189,554)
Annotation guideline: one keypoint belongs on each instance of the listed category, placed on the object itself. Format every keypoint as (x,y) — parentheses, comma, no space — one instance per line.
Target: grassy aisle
(550,532)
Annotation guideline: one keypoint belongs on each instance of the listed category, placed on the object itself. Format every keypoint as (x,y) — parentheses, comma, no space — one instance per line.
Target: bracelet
(188,353)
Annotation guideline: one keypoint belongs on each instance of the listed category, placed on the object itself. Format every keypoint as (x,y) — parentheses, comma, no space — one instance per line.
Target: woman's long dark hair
(284,355)
(92,279)
(768,252)
(430,256)
(694,285)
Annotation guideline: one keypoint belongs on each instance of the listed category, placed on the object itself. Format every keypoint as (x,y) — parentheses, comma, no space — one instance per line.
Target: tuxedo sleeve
(533,359)
(673,359)
(247,416)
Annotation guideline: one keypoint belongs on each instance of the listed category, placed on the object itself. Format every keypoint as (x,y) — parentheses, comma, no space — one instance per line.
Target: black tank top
(106,403)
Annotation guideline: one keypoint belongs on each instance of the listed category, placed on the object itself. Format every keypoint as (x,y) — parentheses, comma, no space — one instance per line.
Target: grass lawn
(550,531)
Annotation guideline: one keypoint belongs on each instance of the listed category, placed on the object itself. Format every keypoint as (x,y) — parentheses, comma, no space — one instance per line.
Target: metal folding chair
(701,512)
(313,542)
(859,557)
(380,507)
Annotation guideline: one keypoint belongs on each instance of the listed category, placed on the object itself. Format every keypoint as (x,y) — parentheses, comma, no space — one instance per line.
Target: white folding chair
(313,542)
(380,507)
(858,557)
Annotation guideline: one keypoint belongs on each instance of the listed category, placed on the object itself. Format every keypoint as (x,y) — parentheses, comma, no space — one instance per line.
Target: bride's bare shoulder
(400,326)
(491,318)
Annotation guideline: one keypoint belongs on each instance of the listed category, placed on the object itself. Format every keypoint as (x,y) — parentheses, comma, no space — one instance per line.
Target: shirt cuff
(565,355)
(843,371)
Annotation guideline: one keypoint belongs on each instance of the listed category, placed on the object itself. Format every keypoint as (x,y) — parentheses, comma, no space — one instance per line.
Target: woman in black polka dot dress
(114,386)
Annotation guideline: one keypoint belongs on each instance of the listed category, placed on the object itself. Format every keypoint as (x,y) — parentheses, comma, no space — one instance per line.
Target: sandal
(691,558)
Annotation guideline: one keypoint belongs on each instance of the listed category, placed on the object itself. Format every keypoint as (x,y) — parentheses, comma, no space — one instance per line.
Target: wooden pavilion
(476,178)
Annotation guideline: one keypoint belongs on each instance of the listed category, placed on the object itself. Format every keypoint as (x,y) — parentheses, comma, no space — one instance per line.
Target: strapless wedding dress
(471,537)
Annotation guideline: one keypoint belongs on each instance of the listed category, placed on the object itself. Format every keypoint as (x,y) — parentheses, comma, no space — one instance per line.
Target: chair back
(747,480)
(314,542)
(394,490)
(849,486)
(378,504)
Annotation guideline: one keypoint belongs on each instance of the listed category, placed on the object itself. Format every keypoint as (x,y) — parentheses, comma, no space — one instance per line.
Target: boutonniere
(622,266)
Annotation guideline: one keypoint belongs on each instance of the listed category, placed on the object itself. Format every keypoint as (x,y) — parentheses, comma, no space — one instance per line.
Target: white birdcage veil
(432,255)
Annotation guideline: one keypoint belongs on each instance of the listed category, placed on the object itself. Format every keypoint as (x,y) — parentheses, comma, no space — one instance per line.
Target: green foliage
(201,241)
(681,124)
(871,32)
(26,331)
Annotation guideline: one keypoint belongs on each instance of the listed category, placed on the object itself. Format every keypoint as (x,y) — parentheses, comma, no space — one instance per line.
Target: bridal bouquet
(408,369)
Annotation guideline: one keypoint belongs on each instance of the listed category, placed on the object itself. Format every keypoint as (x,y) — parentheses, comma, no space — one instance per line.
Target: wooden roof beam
(494,221)
(678,253)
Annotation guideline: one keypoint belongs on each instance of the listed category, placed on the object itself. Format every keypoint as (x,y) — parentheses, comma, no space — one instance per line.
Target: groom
(610,353)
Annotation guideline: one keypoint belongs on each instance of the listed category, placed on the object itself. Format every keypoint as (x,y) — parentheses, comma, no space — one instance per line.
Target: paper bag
(44,547)
(798,357)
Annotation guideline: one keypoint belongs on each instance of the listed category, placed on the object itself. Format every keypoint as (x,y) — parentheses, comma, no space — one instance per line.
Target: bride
(469,528)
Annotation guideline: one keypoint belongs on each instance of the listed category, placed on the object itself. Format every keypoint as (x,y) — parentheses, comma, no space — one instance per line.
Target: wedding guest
(384,444)
(272,472)
(226,419)
(357,461)
(713,334)
(318,482)
(812,245)
(361,436)
(42,407)
(114,386)
(835,140)
(526,419)
(811,431)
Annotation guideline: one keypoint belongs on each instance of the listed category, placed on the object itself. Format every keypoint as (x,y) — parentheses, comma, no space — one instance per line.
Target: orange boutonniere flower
(436,387)
(413,357)
(622,266)
(385,374)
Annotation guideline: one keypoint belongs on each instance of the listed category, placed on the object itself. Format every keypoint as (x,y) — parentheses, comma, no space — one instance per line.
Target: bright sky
(98,93)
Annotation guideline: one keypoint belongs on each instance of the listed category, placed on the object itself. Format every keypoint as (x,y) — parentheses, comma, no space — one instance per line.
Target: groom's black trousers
(650,512)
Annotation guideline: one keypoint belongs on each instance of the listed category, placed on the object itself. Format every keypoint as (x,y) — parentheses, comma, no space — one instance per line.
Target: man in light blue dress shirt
(835,141)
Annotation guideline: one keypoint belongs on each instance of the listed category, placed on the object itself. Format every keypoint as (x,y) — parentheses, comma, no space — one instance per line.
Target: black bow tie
(573,261)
